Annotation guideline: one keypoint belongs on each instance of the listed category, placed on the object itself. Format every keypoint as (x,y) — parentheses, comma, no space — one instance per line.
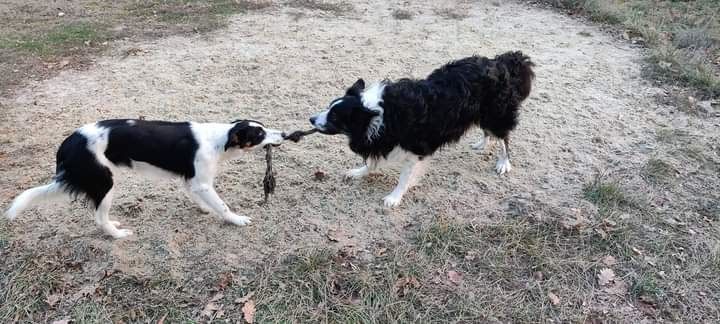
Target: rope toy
(269,179)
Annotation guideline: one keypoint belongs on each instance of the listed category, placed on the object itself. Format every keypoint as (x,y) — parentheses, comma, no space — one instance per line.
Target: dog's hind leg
(503,163)
(207,193)
(102,217)
(483,142)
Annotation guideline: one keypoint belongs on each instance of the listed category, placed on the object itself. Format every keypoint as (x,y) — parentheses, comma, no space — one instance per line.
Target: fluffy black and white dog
(88,160)
(406,121)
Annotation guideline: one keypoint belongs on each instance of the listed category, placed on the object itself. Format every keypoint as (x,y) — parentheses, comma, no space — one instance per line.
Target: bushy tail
(520,67)
(31,197)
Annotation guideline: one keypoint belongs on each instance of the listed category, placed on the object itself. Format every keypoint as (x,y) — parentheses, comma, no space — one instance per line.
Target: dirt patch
(591,113)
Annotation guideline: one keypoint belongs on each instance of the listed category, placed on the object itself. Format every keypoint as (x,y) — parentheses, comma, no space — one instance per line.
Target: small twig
(296,136)
(269,180)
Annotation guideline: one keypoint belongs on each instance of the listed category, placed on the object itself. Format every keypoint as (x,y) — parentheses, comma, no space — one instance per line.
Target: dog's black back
(423,115)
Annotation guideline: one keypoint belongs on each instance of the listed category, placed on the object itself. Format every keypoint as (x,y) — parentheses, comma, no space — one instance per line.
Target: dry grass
(337,8)
(684,36)
(37,40)
(401,14)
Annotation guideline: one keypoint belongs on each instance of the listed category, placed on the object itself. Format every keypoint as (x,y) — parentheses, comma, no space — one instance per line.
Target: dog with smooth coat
(88,159)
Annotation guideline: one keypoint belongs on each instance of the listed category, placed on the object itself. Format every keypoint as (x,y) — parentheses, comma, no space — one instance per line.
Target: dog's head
(345,113)
(250,134)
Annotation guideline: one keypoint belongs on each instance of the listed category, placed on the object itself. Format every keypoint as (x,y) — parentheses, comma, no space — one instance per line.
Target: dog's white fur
(211,138)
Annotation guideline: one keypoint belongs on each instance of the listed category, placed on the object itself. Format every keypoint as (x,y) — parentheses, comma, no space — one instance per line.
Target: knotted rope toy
(269,179)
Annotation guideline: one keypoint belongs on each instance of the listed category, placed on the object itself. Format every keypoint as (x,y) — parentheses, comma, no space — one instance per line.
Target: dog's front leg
(207,193)
(409,176)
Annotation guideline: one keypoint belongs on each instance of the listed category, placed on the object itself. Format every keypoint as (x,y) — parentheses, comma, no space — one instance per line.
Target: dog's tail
(31,197)
(520,67)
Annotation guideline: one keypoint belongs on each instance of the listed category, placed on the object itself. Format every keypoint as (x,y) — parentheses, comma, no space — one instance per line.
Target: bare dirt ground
(590,112)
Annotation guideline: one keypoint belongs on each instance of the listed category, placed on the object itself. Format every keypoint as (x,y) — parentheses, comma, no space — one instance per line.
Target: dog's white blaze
(371,99)
(151,171)
(97,142)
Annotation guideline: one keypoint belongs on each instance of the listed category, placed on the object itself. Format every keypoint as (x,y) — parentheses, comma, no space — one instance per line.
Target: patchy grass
(337,8)
(606,194)
(38,39)
(402,14)
(659,172)
(683,36)
(452,13)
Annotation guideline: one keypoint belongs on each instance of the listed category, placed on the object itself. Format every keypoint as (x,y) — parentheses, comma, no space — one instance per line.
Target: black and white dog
(88,160)
(406,121)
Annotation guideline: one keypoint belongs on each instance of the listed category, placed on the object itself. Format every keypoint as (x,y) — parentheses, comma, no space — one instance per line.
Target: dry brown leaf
(609,260)
(454,277)
(244,299)
(577,223)
(224,281)
(605,276)
(53,299)
(62,321)
(249,311)
(209,309)
(554,299)
(403,285)
(619,288)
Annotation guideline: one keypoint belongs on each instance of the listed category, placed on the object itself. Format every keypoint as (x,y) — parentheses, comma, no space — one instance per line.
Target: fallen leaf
(619,288)
(554,299)
(62,321)
(340,236)
(609,260)
(403,285)
(577,223)
(249,311)
(63,63)
(319,175)
(244,299)
(224,281)
(605,276)
(209,309)
(53,299)
(454,277)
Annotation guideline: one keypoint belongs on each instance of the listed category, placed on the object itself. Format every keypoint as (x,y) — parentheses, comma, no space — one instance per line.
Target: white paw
(358,173)
(479,146)
(238,220)
(115,223)
(392,200)
(121,233)
(503,166)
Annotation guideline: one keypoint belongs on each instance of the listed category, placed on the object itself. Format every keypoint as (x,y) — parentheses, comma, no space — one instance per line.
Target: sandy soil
(590,110)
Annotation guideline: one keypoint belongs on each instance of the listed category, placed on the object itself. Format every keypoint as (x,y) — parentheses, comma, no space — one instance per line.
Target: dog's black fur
(421,116)
(170,146)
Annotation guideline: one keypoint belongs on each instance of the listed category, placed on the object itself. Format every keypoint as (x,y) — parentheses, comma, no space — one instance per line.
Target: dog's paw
(503,166)
(238,220)
(121,233)
(115,223)
(479,146)
(358,173)
(392,200)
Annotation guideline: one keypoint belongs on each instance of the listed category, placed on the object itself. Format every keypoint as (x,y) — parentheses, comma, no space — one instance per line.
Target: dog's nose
(283,134)
(312,120)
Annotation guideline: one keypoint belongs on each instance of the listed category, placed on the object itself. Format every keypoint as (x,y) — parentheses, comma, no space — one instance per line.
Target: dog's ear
(356,89)
(237,136)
